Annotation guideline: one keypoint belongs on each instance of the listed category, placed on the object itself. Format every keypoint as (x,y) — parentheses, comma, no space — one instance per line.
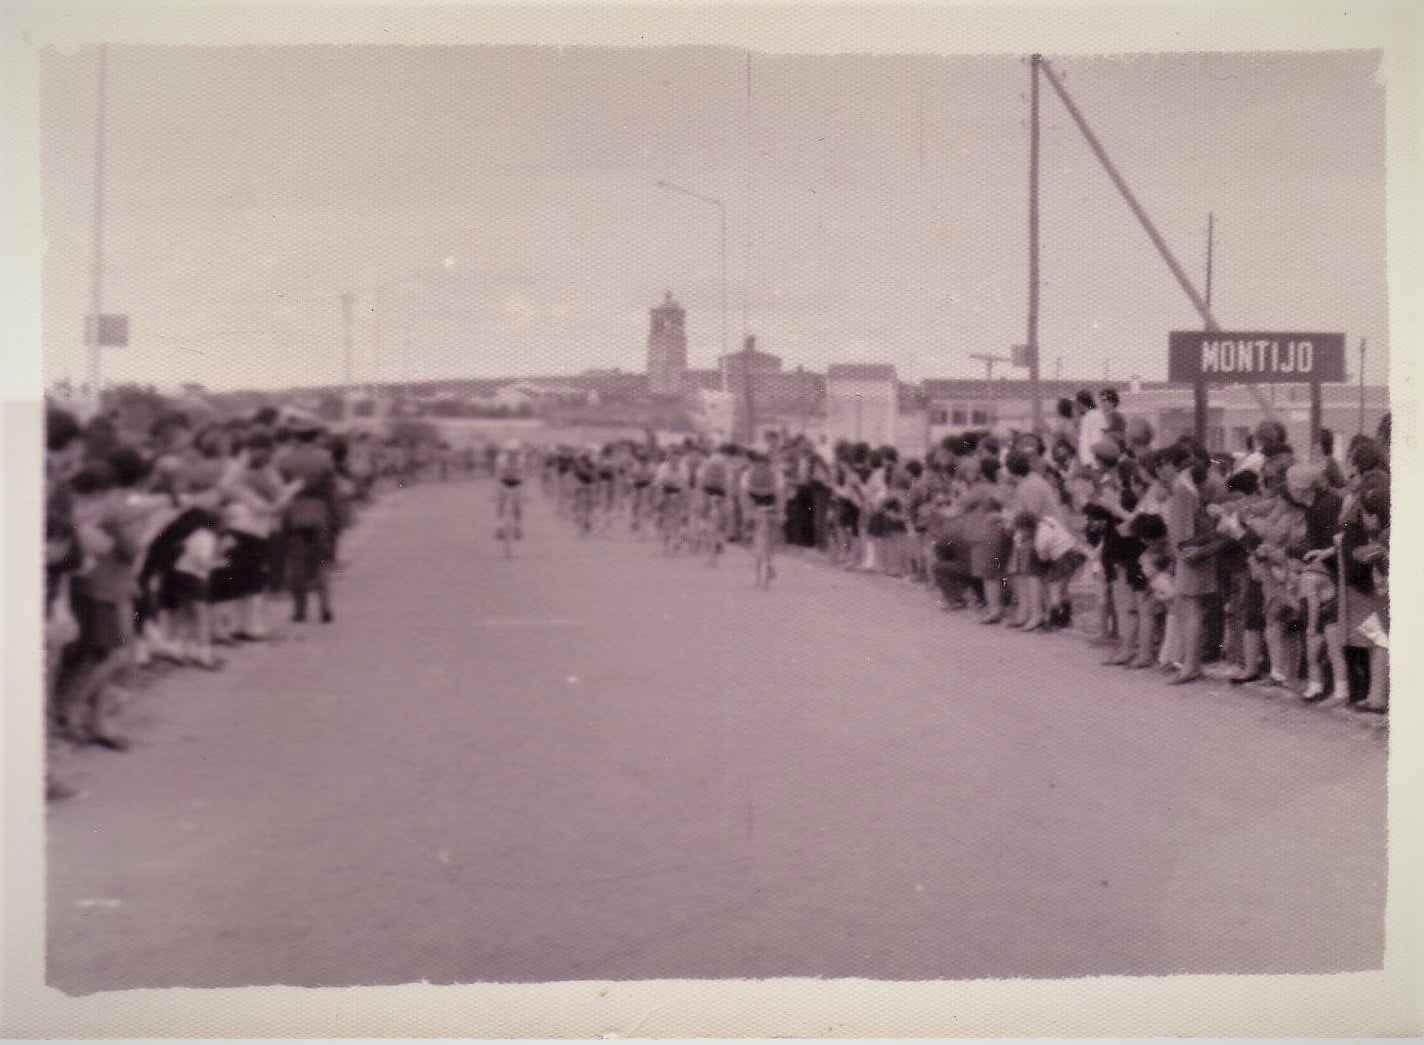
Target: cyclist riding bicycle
(670,482)
(585,480)
(640,474)
(762,489)
(607,483)
(509,470)
(714,478)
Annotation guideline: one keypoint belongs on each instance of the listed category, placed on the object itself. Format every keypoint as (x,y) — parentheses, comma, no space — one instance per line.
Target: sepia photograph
(527,513)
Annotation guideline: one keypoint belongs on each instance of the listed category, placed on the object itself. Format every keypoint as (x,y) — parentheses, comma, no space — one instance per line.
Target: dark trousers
(954,582)
(308,555)
(277,562)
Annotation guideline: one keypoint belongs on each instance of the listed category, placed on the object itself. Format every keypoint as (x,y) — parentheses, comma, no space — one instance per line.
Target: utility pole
(1199,403)
(379,362)
(1362,386)
(408,324)
(748,373)
(96,290)
(1210,245)
(348,303)
(747,250)
(1034,391)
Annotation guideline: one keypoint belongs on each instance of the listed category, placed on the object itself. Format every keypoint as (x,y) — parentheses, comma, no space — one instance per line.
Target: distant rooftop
(1020,388)
(860,372)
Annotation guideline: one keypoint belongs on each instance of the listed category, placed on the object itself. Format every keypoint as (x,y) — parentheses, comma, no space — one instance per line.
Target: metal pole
(1362,386)
(348,302)
(1034,391)
(378,361)
(96,298)
(1316,420)
(1200,406)
(408,323)
(1210,246)
(746,282)
(722,215)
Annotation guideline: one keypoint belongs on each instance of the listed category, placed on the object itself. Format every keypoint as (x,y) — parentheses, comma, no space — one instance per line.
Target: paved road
(592,762)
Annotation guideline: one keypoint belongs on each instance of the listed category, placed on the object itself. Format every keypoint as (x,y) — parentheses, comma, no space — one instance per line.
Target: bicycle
(670,521)
(639,506)
(763,513)
(510,510)
(583,497)
(714,521)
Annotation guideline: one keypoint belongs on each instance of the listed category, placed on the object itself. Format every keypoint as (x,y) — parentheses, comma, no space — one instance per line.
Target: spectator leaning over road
(257,498)
(1157,591)
(1055,547)
(1245,600)
(308,521)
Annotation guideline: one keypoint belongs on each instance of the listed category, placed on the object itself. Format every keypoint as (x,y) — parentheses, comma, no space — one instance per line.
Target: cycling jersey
(713,476)
(669,477)
(510,468)
(761,479)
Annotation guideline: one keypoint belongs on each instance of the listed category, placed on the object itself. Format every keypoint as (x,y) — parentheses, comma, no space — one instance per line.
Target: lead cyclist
(509,496)
(763,495)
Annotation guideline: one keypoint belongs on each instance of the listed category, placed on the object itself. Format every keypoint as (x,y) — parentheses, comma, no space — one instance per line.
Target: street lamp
(446,262)
(722,216)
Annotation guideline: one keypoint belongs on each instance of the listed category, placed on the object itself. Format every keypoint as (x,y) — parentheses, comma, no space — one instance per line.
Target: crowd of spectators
(1269,566)
(165,543)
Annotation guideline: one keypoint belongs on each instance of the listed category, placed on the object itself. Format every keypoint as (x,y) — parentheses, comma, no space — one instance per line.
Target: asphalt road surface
(591,762)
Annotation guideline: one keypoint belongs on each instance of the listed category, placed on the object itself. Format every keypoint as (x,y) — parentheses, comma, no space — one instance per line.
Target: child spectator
(1057,549)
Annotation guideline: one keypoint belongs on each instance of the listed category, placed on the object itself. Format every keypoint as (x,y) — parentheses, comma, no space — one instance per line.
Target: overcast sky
(504,199)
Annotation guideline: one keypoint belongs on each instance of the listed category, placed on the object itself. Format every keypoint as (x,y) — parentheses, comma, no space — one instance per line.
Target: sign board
(1020,356)
(1255,357)
(113,331)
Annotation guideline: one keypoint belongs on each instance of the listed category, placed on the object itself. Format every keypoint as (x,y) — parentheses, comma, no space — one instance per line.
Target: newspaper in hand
(1372,629)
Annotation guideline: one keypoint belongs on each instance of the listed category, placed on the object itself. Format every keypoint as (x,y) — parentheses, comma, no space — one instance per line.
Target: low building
(1233,411)
(862,403)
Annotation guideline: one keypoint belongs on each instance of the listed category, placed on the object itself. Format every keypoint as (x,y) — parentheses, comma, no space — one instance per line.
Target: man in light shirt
(1092,423)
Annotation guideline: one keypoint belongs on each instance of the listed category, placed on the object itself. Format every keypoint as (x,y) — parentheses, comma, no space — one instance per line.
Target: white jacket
(1052,540)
